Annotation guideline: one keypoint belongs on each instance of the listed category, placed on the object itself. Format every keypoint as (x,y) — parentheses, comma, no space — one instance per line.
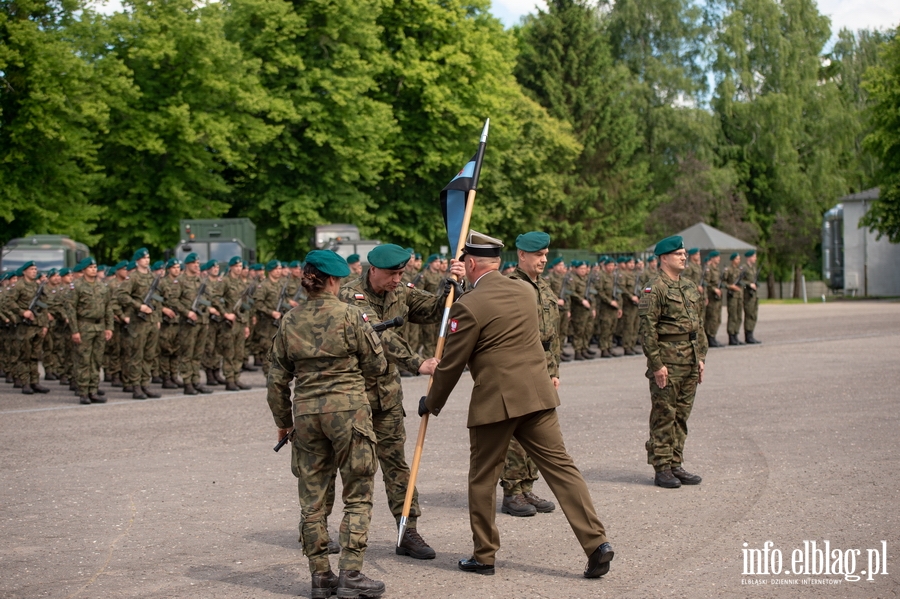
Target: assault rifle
(378,328)
(280,304)
(36,303)
(150,296)
(616,292)
(589,286)
(737,283)
(198,301)
(751,290)
(563,291)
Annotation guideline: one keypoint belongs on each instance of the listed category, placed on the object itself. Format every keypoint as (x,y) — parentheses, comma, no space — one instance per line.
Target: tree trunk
(798,282)
(770,283)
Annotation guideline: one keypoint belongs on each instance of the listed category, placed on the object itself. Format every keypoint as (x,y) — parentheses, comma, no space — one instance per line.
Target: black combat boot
(580,356)
(201,389)
(242,386)
(168,383)
(230,386)
(100,392)
(686,477)
(84,400)
(711,341)
(26,389)
(51,376)
(733,340)
(156,380)
(211,378)
(565,358)
(64,380)
(667,480)
(218,376)
(324,585)
(630,352)
(749,338)
(149,393)
(128,389)
(117,381)
(605,354)
(94,398)
(516,505)
(189,389)
(541,505)
(39,389)
(138,393)
(414,546)
(353,583)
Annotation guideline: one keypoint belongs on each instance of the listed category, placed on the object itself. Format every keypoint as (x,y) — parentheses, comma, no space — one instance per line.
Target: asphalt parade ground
(797,441)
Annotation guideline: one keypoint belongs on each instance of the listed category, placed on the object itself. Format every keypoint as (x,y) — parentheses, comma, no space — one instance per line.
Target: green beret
(131,265)
(140,253)
(712,254)
(78,267)
(411,251)
(192,257)
(577,263)
(120,265)
(669,245)
(235,260)
(621,259)
(555,261)
(256,266)
(533,241)
(205,266)
(417,255)
(64,272)
(272,265)
(51,272)
(693,251)
(172,262)
(432,258)
(155,266)
(84,264)
(111,271)
(734,255)
(26,266)
(389,256)
(294,264)
(352,258)
(651,259)
(328,262)
(749,253)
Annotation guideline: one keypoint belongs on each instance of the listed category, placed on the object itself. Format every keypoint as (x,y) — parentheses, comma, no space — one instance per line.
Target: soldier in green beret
(142,322)
(211,360)
(235,326)
(609,306)
(432,281)
(355,264)
(329,349)
(519,470)
(671,309)
(194,322)
(751,297)
(265,303)
(734,283)
(171,290)
(114,347)
(31,328)
(560,279)
(712,283)
(90,316)
(380,294)
(582,310)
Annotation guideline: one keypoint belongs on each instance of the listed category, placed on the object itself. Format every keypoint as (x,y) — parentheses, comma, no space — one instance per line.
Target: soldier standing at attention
(355,266)
(610,309)
(693,271)
(733,278)
(672,312)
(91,320)
(494,330)
(142,325)
(627,284)
(712,283)
(171,290)
(235,326)
(265,300)
(583,312)
(520,471)
(211,359)
(194,324)
(432,279)
(379,294)
(751,297)
(30,331)
(329,348)
(114,356)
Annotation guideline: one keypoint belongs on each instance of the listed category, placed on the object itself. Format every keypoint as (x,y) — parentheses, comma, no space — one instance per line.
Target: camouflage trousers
(669,412)
(629,322)
(30,344)
(563,330)
(230,345)
(429,335)
(390,431)
(735,313)
(323,445)
(169,350)
(113,352)
(87,362)
(51,361)
(266,329)
(519,472)
(608,317)
(413,335)
(713,317)
(582,327)
(193,344)
(751,310)
(142,341)
(211,359)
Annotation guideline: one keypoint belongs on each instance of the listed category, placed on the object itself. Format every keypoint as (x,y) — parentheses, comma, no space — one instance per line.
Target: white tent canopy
(708,238)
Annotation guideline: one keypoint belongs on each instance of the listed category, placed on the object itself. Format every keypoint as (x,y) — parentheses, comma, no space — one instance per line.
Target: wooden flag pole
(442,337)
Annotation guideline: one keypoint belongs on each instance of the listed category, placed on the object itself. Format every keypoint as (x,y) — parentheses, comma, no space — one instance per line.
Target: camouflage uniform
(265,300)
(581,316)
(193,336)
(556,284)
(627,282)
(431,282)
(735,299)
(211,360)
(712,282)
(231,335)
(29,333)
(606,313)
(411,331)
(751,299)
(672,337)
(114,346)
(520,471)
(171,289)
(385,391)
(328,347)
(90,313)
(142,332)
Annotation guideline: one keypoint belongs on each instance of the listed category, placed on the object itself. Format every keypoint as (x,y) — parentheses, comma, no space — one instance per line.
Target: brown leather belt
(679,337)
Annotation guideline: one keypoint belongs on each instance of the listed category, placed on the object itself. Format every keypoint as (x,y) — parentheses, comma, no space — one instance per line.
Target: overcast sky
(853,14)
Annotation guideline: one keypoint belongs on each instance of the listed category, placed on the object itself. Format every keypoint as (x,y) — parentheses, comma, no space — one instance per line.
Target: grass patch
(787,301)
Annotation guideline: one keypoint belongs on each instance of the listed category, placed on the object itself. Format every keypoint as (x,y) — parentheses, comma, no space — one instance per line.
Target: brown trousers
(540,436)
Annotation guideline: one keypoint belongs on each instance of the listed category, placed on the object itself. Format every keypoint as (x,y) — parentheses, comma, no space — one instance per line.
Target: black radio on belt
(545,345)
(692,336)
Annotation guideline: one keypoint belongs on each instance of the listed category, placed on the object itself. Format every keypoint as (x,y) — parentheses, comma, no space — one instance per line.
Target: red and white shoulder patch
(411,285)
(359,296)
(454,325)
(648,289)
(365,317)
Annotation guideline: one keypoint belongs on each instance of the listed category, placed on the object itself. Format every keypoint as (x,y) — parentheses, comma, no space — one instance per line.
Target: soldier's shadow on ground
(448,499)
(279,579)
(285,539)
(618,475)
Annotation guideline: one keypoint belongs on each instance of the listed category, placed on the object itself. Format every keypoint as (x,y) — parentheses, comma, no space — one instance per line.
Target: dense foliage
(612,124)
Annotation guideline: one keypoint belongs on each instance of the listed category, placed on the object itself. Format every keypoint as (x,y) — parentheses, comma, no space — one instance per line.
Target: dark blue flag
(453,202)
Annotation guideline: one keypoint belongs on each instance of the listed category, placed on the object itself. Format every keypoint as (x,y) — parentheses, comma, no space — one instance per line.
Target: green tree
(193,123)
(566,65)
(53,106)
(883,84)
(784,130)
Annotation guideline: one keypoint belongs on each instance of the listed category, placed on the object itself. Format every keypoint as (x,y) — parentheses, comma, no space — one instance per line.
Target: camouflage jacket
(604,287)
(20,297)
(414,306)
(555,279)
(693,272)
(548,319)
(431,282)
(113,284)
(667,308)
(265,300)
(647,275)
(711,281)
(330,349)
(731,276)
(172,292)
(58,299)
(627,282)
(131,294)
(90,307)
(190,286)
(577,289)
(232,298)
(749,278)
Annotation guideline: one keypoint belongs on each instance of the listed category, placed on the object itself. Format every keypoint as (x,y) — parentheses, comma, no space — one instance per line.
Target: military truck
(217,239)
(47,251)
(344,239)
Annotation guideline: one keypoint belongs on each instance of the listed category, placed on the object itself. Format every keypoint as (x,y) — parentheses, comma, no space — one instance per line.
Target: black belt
(678,337)
(545,345)
(91,320)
